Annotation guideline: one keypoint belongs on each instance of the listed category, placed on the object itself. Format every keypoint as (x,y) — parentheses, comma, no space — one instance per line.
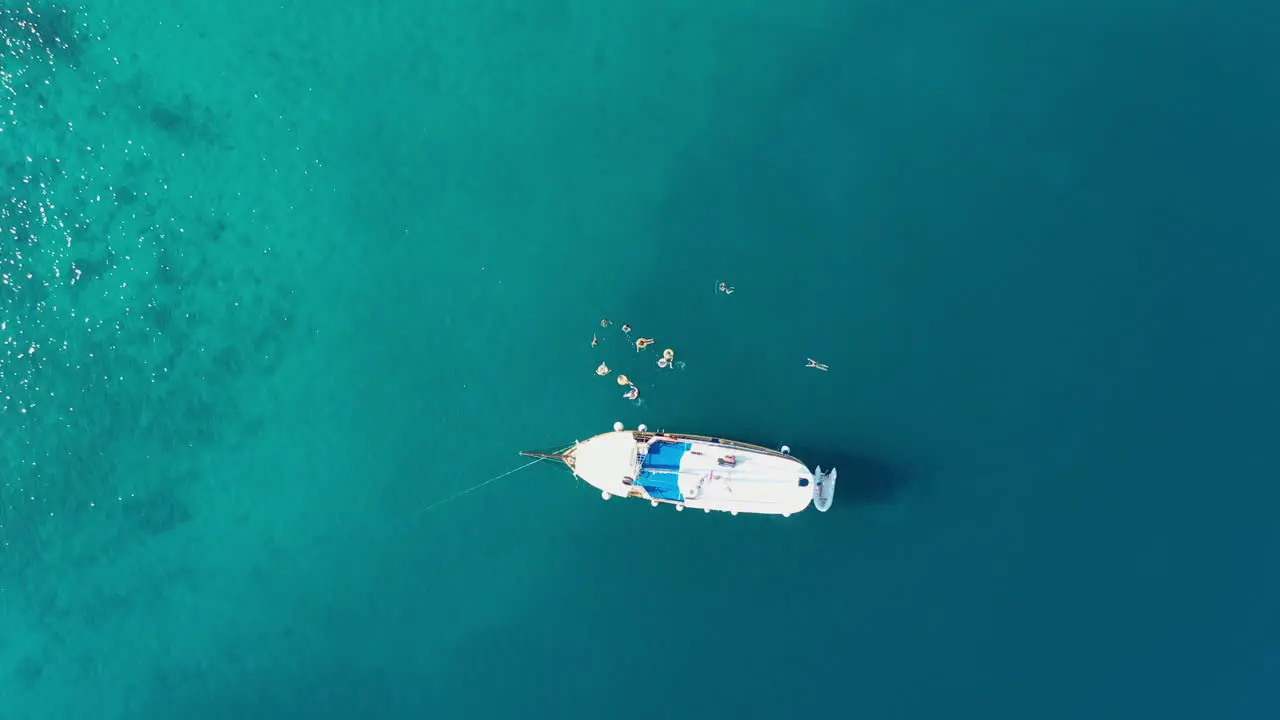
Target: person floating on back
(816,365)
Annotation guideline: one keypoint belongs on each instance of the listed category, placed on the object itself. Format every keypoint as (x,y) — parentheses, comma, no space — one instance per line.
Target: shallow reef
(127,313)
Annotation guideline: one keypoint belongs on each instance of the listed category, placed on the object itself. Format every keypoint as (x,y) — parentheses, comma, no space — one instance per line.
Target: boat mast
(563,454)
(549,456)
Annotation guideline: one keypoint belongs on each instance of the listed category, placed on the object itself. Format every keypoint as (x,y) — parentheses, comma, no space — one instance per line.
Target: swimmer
(632,394)
(604,322)
(725,289)
(669,355)
(816,365)
(594,340)
(624,380)
(664,363)
(626,329)
(643,343)
(602,370)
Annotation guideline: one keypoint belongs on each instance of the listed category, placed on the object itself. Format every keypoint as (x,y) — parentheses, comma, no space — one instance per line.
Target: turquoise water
(278,276)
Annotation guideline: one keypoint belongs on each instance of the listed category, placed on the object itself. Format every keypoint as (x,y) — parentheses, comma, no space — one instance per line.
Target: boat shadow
(865,479)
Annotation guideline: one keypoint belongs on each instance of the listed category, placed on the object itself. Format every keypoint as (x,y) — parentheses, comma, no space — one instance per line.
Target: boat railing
(644,438)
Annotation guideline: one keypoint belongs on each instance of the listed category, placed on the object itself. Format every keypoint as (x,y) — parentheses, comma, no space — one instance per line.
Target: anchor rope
(473,488)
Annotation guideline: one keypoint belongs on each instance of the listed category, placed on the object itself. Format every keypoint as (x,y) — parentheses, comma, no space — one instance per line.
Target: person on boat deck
(728,461)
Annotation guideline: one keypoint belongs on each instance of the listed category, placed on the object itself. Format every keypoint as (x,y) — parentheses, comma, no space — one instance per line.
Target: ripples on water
(107,353)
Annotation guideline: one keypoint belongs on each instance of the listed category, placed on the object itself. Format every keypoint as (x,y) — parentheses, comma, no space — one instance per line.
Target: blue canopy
(660,471)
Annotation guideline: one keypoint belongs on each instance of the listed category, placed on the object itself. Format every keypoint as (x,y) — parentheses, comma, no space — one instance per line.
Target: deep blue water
(281,276)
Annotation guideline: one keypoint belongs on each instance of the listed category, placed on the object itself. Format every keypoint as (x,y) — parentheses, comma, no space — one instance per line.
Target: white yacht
(697,472)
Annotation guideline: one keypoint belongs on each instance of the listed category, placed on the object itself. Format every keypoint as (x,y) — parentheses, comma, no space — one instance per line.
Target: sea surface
(279,277)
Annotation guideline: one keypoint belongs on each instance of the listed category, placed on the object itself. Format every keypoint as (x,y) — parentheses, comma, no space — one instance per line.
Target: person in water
(602,370)
(816,365)
(725,289)
(633,393)
(643,343)
(626,329)
(624,380)
(594,340)
(604,322)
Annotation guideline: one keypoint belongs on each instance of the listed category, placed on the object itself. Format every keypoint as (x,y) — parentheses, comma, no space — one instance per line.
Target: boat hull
(694,472)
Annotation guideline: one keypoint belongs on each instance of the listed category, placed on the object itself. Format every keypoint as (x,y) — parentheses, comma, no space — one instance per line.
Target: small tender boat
(697,472)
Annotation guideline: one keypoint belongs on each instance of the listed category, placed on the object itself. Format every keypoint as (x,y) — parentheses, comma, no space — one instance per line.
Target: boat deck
(695,472)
